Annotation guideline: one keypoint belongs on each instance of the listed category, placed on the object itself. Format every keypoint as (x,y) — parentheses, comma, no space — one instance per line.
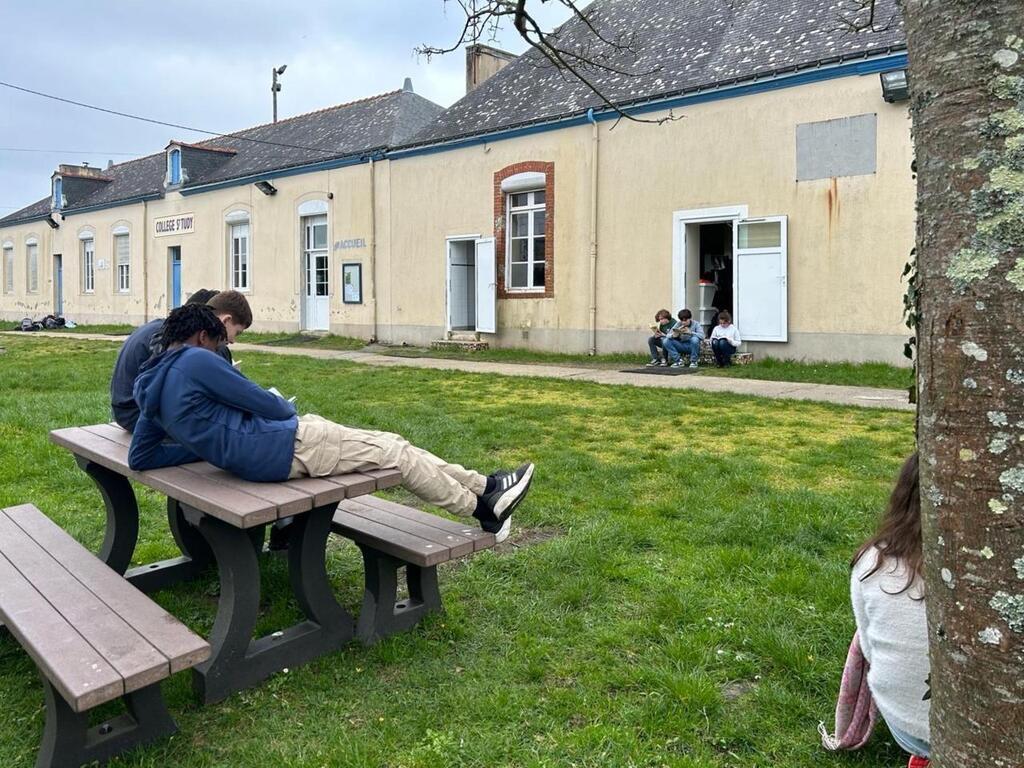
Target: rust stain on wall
(832,200)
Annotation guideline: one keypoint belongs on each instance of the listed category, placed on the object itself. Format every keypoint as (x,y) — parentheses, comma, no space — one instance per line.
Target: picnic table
(219,519)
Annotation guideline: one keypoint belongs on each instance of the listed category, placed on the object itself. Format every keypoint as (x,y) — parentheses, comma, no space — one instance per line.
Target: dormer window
(174,167)
(58,194)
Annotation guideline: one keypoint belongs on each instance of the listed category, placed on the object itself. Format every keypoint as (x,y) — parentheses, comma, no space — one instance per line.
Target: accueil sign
(181,224)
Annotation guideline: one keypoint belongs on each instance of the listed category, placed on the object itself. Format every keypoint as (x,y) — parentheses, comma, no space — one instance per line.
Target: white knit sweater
(894,637)
(728,332)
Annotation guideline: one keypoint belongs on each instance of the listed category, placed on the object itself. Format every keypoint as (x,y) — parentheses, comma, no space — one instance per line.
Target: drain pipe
(593,231)
(373,249)
(145,261)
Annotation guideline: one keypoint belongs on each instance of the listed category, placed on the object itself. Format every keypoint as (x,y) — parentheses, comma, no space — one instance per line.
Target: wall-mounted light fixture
(53,224)
(266,187)
(894,85)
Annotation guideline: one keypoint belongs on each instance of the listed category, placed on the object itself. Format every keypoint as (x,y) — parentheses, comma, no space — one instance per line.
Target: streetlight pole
(275,86)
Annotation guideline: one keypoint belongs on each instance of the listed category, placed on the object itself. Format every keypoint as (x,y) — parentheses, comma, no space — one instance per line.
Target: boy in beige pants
(212,412)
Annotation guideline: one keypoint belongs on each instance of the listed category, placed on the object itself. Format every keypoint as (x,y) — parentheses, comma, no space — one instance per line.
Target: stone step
(467,345)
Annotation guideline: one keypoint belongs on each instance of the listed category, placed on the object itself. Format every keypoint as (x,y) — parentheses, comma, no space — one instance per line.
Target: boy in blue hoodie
(213,413)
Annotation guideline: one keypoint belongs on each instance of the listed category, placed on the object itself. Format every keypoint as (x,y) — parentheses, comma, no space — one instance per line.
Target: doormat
(661,371)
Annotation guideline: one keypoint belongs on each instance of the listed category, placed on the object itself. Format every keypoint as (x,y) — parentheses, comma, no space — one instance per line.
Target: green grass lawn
(305,340)
(771,369)
(112,329)
(675,590)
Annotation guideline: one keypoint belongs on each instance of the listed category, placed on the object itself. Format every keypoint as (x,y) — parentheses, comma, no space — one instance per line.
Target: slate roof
(678,46)
(351,129)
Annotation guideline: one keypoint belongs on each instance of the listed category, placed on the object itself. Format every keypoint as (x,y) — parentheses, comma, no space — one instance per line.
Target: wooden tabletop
(242,503)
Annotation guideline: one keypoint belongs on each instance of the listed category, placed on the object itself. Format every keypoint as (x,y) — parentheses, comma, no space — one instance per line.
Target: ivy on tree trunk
(967,81)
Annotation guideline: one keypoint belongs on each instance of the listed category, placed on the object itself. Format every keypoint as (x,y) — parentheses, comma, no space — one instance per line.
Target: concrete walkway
(865,397)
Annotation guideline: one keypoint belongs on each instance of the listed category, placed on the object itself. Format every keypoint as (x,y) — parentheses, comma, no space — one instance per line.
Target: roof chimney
(407,85)
(483,62)
(81,171)
(110,164)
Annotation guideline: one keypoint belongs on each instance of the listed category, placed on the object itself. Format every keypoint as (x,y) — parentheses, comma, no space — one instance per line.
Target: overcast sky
(201,63)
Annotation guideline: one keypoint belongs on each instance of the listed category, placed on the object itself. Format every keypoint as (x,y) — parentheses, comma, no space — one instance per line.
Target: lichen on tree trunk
(967,81)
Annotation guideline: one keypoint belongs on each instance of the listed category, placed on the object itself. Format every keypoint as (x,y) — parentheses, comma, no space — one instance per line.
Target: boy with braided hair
(213,413)
(231,307)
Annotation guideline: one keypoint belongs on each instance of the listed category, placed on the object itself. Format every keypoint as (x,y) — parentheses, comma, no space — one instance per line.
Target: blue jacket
(212,413)
(143,343)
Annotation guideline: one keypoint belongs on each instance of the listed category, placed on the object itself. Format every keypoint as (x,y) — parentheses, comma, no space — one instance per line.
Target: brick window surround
(501,221)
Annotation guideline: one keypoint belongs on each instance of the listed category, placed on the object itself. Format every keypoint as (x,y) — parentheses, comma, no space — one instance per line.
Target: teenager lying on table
(213,413)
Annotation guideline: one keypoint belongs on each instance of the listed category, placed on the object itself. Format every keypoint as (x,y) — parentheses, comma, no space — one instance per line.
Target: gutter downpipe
(373,249)
(145,261)
(593,231)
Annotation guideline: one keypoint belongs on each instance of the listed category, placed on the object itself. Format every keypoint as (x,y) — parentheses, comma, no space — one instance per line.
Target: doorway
(471,286)
(724,261)
(58,285)
(316,304)
(174,257)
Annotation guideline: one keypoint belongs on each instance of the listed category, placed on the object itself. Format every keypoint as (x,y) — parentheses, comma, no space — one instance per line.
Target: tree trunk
(967,80)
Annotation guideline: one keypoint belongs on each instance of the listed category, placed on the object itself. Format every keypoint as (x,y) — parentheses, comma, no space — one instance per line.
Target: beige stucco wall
(20,302)
(849,237)
(275,252)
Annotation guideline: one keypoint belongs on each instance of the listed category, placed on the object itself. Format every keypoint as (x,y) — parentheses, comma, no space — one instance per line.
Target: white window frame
(310,252)
(32,265)
(239,257)
(123,267)
(88,255)
(8,254)
(530,209)
(57,198)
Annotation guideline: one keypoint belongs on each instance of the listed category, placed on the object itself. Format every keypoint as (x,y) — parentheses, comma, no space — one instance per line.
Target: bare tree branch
(856,21)
(583,58)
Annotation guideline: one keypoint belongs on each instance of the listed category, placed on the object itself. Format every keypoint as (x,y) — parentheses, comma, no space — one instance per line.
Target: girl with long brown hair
(887,592)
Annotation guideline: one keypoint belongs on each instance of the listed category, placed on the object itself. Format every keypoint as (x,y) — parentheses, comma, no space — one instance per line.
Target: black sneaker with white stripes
(495,506)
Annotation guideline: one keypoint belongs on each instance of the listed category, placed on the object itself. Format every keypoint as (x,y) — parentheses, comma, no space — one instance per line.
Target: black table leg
(195,556)
(237,660)
(122,514)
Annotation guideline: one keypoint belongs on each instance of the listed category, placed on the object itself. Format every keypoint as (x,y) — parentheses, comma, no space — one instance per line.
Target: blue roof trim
(28,220)
(115,204)
(325,165)
(775,82)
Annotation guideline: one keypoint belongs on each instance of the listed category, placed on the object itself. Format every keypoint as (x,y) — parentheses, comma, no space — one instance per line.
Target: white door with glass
(471,287)
(759,286)
(316,311)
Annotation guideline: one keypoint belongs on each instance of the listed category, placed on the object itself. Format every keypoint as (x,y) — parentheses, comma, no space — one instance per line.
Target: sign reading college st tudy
(180,224)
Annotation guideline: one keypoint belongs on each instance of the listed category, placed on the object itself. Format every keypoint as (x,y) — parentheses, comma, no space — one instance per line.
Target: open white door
(486,286)
(759,281)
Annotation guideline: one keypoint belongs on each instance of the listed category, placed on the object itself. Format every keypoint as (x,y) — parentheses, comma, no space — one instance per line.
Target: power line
(70,151)
(163,123)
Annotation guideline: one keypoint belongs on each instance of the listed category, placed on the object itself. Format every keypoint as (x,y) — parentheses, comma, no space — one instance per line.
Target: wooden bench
(391,537)
(94,638)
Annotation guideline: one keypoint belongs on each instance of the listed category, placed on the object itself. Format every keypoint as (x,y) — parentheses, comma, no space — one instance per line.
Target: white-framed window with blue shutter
(58,193)
(174,166)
